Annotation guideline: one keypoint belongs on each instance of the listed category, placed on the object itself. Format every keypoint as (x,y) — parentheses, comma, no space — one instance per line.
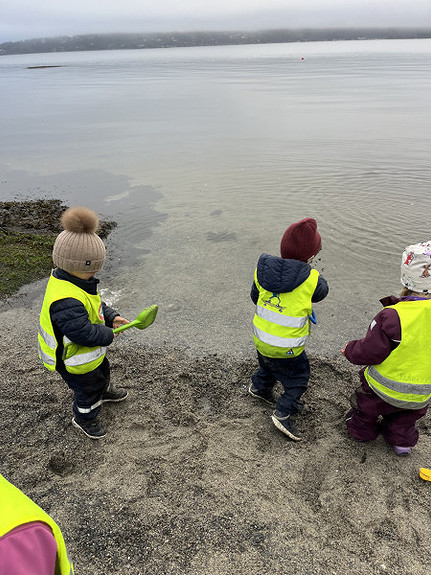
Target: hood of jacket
(281,275)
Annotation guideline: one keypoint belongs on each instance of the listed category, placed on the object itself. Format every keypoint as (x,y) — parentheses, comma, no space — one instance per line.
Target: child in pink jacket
(31,543)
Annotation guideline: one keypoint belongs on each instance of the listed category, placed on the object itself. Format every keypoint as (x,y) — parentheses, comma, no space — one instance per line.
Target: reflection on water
(204,156)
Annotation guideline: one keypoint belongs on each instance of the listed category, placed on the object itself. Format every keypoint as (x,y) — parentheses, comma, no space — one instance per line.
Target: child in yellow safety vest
(395,388)
(284,289)
(75,325)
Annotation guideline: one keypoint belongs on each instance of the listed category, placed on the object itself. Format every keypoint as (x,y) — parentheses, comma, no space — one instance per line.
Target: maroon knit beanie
(301,240)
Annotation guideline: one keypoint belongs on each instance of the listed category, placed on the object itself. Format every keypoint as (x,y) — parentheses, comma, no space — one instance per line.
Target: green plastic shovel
(143,320)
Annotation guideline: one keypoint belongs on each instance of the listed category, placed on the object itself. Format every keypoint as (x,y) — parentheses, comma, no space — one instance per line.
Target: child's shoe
(284,424)
(114,394)
(267,396)
(91,427)
(402,451)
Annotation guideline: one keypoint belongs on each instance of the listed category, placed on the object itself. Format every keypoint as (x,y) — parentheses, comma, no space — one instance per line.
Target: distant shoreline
(119,41)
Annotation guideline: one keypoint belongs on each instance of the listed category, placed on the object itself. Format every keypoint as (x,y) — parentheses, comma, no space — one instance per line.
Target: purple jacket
(383,336)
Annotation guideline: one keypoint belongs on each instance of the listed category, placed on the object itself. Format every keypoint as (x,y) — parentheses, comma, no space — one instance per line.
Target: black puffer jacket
(283,275)
(70,318)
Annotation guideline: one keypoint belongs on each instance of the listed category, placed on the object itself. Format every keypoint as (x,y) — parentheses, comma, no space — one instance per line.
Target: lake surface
(205,155)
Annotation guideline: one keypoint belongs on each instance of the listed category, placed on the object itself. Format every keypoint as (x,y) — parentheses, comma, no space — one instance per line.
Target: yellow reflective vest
(403,379)
(17,509)
(77,358)
(280,324)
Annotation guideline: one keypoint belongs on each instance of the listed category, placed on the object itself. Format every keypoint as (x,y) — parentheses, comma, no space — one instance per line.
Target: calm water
(204,156)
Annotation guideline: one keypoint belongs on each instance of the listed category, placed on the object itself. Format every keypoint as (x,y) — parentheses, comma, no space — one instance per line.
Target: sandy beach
(193,478)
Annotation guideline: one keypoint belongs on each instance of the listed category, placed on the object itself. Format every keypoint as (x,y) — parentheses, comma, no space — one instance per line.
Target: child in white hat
(395,388)
(75,325)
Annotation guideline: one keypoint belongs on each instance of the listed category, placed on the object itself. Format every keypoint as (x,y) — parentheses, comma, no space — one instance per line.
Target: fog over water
(23,20)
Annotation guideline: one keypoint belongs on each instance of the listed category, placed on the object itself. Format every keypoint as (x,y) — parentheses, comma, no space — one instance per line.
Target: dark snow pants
(371,415)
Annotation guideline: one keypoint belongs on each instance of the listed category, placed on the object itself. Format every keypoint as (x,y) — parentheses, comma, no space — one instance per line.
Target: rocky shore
(27,233)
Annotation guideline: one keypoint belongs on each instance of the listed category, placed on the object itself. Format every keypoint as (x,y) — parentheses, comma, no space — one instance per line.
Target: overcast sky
(25,19)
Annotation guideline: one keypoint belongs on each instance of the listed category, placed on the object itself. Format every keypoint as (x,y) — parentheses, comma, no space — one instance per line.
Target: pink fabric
(29,549)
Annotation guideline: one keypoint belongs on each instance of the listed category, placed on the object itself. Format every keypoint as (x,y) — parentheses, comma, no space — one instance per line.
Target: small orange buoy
(425,474)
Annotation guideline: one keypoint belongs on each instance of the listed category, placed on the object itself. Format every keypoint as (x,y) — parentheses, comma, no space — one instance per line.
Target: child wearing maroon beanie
(284,289)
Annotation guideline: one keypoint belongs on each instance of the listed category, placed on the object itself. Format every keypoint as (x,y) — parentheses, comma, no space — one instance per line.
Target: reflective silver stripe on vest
(45,357)
(88,409)
(280,319)
(399,387)
(84,358)
(277,341)
(401,403)
(47,338)
(395,385)
(70,562)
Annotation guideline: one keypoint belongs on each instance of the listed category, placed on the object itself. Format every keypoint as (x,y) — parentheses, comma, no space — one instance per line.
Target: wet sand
(193,478)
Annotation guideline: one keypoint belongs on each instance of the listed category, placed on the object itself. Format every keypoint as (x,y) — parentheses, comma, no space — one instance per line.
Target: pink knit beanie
(301,240)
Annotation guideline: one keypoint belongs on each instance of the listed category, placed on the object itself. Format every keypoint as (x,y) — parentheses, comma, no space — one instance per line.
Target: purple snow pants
(395,424)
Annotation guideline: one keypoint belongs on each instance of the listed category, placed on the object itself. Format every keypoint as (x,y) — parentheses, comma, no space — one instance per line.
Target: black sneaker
(283,423)
(91,427)
(114,394)
(266,396)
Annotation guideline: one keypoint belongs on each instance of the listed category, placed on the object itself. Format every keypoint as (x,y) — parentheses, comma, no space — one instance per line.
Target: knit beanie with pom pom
(78,248)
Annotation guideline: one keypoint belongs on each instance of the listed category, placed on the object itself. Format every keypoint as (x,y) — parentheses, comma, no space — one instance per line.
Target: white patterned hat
(416,267)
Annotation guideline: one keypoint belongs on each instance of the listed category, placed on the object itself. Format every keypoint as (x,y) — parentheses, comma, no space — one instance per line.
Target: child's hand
(118,320)
(343,351)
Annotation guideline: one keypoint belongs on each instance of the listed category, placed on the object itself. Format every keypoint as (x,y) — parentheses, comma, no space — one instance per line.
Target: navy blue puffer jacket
(284,275)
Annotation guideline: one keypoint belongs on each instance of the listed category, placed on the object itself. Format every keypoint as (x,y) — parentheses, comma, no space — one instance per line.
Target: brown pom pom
(80,220)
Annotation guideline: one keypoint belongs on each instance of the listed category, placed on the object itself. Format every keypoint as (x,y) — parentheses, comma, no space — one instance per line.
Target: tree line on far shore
(89,42)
